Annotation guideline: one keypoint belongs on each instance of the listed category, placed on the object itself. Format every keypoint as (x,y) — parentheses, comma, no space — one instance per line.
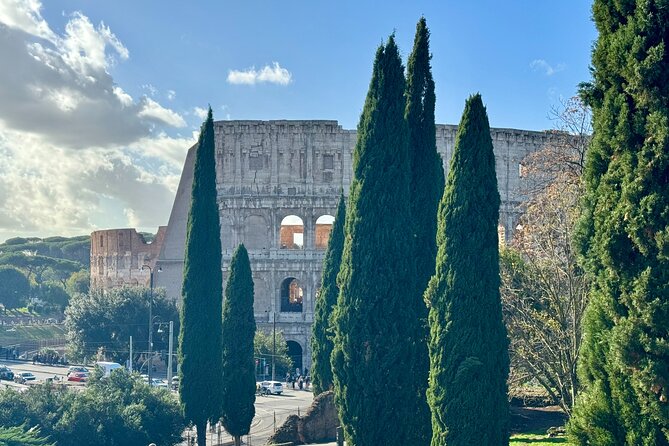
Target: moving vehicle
(108,367)
(76,368)
(6,373)
(271,387)
(80,377)
(23,377)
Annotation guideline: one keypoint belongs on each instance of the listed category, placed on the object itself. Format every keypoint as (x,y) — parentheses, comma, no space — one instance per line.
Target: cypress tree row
(321,339)
(374,392)
(624,231)
(469,361)
(239,327)
(427,187)
(200,334)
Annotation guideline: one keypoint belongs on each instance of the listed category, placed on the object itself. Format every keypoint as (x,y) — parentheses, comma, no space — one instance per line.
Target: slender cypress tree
(427,187)
(624,368)
(374,391)
(239,327)
(200,335)
(321,339)
(468,343)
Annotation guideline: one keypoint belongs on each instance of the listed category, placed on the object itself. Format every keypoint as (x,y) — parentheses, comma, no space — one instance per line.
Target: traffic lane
(41,371)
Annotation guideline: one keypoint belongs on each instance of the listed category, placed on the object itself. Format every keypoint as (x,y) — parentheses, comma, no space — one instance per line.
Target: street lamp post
(273,342)
(150,320)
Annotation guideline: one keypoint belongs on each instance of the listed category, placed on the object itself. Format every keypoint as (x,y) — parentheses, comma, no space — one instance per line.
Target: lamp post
(150,319)
(273,342)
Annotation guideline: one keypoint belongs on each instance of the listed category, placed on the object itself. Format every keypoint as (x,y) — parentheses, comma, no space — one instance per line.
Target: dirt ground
(529,419)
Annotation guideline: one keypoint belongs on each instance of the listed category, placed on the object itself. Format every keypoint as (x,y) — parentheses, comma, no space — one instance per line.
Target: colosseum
(278,183)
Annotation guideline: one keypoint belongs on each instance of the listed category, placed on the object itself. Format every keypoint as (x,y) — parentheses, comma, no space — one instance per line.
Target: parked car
(23,377)
(6,373)
(75,369)
(272,387)
(175,382)
(80,377)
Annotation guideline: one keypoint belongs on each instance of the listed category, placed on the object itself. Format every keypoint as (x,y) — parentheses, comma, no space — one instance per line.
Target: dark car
(6,373)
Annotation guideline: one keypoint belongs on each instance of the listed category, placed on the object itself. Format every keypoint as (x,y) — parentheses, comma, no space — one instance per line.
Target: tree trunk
(201,433)
(238,440)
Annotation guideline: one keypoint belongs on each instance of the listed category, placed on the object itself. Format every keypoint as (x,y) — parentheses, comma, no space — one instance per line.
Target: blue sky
(108,94)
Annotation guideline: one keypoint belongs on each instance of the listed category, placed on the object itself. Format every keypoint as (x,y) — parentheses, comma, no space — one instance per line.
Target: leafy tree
(18,436)
(117,410)
(321,339)
(79,282)
(623,234)
(239,327)
(263,347)
(14,289)
(200,336)
(374,337)
(544,290)
(468,344)
(107,319)
(36,267)
(427,187)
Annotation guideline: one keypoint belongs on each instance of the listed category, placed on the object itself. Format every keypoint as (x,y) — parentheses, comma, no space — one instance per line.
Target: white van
(107,367)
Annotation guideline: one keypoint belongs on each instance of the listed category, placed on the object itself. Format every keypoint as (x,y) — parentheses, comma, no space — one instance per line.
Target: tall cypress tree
(374,391)
(624,232)
(200,335)
(321,339)
(427,187)
(468,343)
(239,327)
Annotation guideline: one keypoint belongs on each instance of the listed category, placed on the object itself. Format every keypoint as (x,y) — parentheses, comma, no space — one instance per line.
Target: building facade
(278,184)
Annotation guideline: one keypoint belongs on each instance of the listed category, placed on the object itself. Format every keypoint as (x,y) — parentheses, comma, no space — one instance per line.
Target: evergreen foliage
(624,231)
(321,339)
(18,436)
(373,335)
(239,327)
(14,289)
(469,361)
(200,335)
(427,187)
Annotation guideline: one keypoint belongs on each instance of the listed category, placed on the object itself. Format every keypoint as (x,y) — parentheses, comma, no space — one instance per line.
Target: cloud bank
(548,69)
(77,152)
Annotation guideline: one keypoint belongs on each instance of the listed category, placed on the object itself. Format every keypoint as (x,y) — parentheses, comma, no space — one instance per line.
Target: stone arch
(256,232)
(291,234)
(323,228)
(292,296)
(295,352)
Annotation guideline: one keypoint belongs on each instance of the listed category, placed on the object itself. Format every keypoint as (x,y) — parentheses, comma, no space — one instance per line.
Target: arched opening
(323,228)
(292,233)
(291,296)
(295,354)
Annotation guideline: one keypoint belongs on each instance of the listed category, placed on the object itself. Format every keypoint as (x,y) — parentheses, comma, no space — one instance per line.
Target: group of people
(49,357)
(297,380)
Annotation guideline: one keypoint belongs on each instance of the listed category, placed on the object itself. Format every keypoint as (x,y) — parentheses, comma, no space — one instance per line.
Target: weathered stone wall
(117,256)
(268,170)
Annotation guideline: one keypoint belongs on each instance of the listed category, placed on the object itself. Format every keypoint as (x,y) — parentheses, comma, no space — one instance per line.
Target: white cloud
(171,94)
(151,89)
(153,110)
(548,69)
(77,151)
(200,112)
(273,75)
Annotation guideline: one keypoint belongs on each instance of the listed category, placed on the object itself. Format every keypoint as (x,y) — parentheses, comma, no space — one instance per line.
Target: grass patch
(538,438)
(11,334)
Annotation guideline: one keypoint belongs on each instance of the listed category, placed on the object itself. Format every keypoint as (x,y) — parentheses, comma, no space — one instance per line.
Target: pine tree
(239,327)
(624,367)
(321,339)
(200,335)
(373,385)
(469,361)
(427,187)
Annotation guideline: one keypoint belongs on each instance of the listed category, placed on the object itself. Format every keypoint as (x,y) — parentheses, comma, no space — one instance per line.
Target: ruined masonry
(278,185)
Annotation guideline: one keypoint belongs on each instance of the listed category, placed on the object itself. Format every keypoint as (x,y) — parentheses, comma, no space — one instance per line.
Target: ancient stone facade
(117,257)
(278,185)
